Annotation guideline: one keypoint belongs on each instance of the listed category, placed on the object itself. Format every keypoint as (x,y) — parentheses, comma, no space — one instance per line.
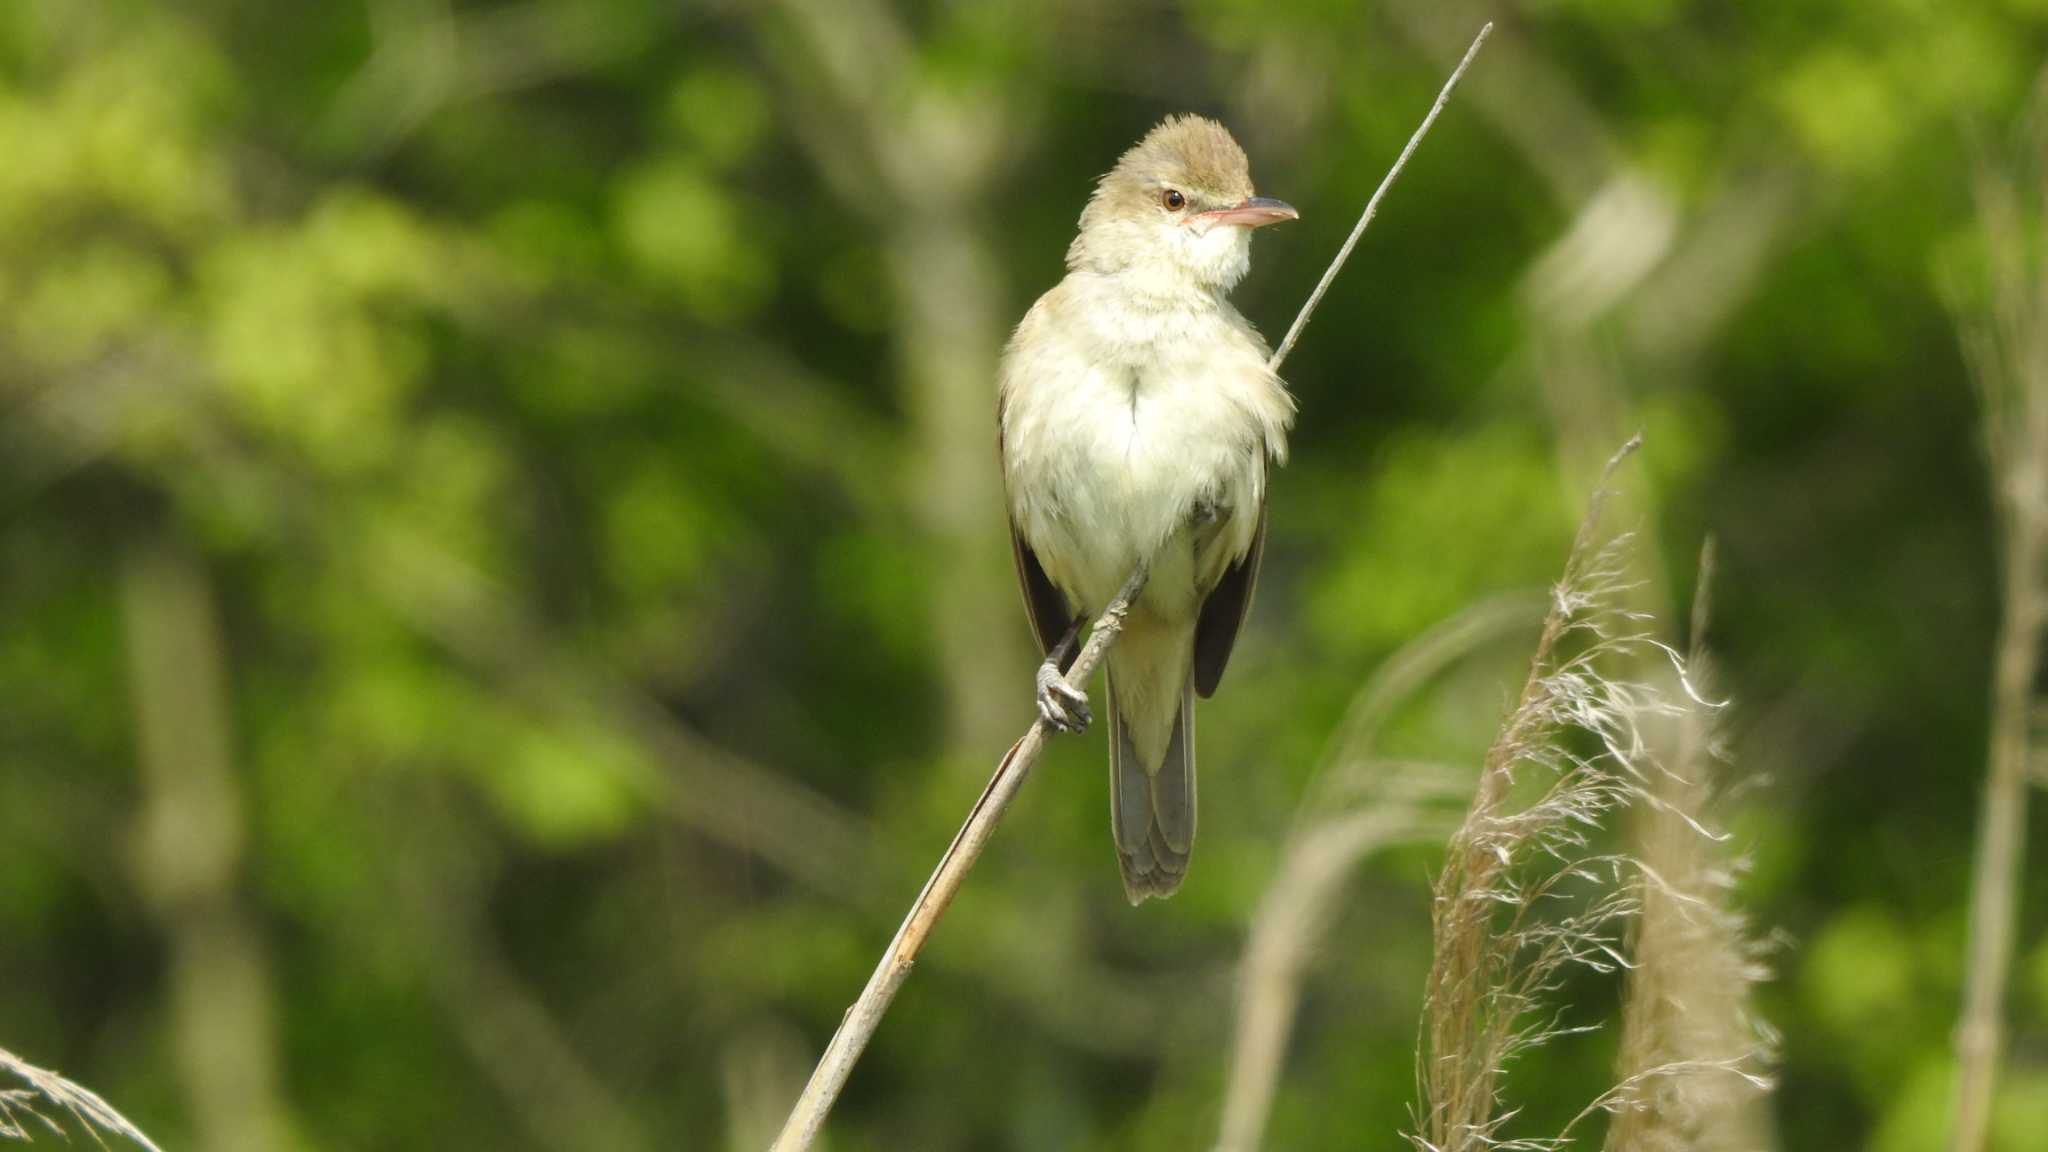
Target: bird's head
(1177,211)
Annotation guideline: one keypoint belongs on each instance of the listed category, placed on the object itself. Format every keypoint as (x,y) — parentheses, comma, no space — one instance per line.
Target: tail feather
(1152,810)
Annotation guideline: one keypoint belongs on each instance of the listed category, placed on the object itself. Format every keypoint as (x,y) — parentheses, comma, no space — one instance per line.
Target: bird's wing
(1048,608)
(1043,601)
(1224,611)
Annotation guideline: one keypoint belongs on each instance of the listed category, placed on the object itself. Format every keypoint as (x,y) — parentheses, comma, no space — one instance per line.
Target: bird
(1138,417)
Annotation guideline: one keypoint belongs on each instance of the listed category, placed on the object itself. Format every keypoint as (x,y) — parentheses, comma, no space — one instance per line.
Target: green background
(551,445)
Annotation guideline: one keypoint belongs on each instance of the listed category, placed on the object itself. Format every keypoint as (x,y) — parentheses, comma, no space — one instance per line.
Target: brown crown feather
(1190,153)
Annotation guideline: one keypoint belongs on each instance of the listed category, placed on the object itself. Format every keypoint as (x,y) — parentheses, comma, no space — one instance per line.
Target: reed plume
(1525,896)
(39,1098)
(1694,1053)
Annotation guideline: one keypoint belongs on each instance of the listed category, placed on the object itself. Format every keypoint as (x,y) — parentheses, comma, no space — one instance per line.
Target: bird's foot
(1062,705)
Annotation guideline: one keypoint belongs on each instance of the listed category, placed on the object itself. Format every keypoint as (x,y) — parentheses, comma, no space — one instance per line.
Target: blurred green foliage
(532,383)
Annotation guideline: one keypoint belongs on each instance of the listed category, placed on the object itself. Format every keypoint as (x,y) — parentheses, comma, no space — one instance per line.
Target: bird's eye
(1173,200)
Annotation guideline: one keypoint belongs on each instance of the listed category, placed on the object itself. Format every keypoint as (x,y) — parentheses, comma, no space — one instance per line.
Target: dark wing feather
(1050,614)
(1043,602)
(1224,611)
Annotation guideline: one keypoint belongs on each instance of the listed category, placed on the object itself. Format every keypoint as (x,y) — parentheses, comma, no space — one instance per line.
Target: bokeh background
(503,588)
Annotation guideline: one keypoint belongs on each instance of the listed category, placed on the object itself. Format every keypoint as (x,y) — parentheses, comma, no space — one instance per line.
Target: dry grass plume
(1526,896)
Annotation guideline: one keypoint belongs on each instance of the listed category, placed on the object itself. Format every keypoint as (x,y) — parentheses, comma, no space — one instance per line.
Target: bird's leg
(1060,704)
(1205,513)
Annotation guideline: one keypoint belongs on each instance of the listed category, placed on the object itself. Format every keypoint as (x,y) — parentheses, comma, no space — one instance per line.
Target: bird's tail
(1152,799)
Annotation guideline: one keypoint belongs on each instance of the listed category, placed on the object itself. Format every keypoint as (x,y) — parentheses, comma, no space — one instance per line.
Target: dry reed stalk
(2006,344)
(865,1016)
(861,1020)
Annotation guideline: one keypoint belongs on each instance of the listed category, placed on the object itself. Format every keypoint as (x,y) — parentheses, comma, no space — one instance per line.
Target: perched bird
(1137,420)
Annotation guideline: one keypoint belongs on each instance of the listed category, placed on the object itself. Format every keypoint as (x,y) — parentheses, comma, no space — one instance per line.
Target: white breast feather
(1119,421)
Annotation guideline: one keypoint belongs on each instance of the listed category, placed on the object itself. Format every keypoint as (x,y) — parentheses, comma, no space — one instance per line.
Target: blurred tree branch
(438,879)
(2005,341)
(803,418)
(426,57)
(723,795)
(916,159)
(1669,280)
(189,859)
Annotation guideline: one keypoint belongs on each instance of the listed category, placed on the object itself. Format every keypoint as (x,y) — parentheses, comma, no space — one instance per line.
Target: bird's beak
(1256,212)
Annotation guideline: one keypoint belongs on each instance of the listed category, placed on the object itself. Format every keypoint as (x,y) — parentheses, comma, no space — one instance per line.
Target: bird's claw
(1062,705)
